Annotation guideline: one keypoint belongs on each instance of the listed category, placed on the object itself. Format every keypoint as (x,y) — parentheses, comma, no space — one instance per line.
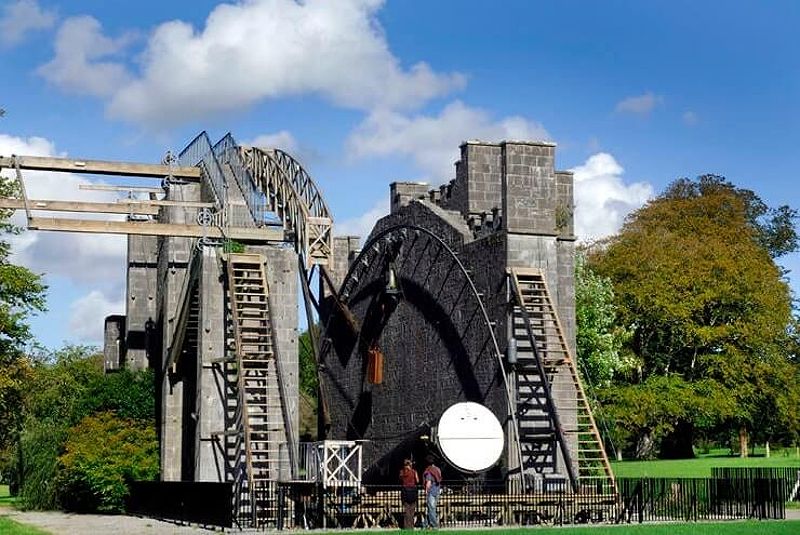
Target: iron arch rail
(270,181)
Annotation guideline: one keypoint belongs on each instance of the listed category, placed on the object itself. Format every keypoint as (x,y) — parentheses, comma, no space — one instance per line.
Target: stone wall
(476,188)
(142,303)
(401,193)
(529,188)
(345,248)
(281,270)
(113,342)
(175,436)
(209,402)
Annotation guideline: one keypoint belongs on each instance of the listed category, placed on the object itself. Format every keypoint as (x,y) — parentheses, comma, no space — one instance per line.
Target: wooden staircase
(264,424)
(552,410)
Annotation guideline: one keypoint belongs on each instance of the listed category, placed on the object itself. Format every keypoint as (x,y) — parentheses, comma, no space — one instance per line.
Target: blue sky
(365,92)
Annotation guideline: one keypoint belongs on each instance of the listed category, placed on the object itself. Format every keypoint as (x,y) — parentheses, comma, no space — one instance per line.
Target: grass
(9,527)
(722,528)
(701,465)
(5,497)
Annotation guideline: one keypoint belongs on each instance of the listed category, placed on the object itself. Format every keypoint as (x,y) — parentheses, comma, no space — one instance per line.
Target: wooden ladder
(263,413)
(548,381)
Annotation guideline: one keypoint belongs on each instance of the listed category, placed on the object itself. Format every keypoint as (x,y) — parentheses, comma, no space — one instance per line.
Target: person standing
(409,479)
(433,485)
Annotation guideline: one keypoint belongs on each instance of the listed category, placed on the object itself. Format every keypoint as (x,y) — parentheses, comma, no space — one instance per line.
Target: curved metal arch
(303,184)
(374,247)
(292,194)
(270,180)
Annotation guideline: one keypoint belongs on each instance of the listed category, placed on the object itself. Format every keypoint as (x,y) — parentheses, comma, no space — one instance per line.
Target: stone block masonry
(141,306)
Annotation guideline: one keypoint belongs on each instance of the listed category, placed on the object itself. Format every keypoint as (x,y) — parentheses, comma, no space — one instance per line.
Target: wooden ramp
(265,421)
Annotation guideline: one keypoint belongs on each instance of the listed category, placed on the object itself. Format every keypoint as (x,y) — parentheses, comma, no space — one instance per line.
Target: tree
(600,340)
(308,367)
(62,399)
(22,294)
(309,384)
(773,228)
(694,278)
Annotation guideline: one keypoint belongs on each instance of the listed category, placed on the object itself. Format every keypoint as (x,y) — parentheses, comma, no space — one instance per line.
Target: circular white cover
(470,437)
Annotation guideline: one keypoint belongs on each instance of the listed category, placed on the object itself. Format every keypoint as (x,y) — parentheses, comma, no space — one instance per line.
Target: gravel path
(70,524)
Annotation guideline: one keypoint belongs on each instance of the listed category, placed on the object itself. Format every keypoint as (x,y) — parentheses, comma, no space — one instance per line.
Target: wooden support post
(21,183)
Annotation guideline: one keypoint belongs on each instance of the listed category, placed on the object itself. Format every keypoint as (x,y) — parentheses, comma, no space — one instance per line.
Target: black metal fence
(497,504)
(183,501)
(310,505)
(789,475)
(691,499)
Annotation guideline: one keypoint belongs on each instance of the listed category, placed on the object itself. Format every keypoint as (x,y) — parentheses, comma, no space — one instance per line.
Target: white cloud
(602,198)
(246,52)
(87,316)
(78,65)
(362,225)
(432,141)
(689,118)
(92,259)
(283,140)
(639,104)
(19,18)
(32,146)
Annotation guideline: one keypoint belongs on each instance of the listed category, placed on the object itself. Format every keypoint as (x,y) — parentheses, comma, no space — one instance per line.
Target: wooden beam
(82,207)
(100,167)
(263,234)
(122,189)
(162,202)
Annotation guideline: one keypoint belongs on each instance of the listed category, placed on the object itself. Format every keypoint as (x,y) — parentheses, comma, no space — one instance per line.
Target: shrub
(103,453)
(129,394)
(39,447)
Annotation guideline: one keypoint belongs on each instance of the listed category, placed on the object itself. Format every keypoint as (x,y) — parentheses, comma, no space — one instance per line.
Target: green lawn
(5,498)
(722,528)
(700,466)
(9,527)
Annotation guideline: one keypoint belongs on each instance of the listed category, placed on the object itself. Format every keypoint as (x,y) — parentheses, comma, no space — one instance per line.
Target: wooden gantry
(136,209)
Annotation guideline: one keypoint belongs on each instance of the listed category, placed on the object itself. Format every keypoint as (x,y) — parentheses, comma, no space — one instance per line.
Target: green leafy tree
(64,390)
(773,228)
(694,279)
(22,294)
(309,384)
(308,367)
(63,384)
(600,339)
(647,412)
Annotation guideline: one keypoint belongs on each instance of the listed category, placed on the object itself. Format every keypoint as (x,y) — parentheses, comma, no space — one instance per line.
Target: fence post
(640,501)
(281,507)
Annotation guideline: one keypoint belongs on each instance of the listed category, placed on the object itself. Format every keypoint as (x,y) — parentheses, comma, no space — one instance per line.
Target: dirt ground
(71,524)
